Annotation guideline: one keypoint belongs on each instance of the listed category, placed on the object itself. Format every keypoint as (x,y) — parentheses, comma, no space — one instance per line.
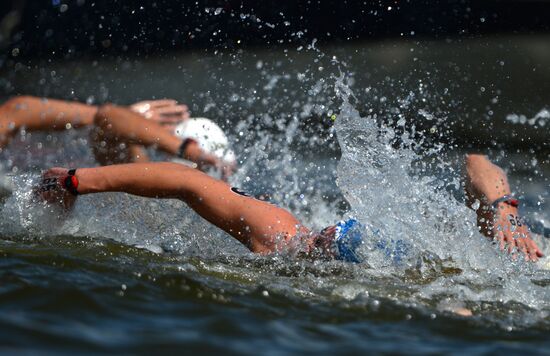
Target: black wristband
(183,147)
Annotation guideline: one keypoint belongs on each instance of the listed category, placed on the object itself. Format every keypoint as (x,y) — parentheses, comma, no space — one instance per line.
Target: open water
(372,130)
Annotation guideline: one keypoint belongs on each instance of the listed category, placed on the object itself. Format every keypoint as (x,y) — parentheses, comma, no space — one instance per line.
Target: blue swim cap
(350,235)
(348,238)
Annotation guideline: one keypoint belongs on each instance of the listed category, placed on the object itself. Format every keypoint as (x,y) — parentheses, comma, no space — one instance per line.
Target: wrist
(492,196)
(87,181)
(190,150)
(503,208)
(70,182)
(507,199)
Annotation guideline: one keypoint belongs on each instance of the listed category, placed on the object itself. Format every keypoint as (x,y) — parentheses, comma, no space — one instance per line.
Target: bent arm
(487,182)
(261,226)
(120,124)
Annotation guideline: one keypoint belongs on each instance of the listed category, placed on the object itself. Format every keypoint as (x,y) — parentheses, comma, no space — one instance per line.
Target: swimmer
(120,134)
(265,228)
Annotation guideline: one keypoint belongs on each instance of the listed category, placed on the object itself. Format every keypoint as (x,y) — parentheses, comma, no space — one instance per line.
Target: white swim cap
(209,136)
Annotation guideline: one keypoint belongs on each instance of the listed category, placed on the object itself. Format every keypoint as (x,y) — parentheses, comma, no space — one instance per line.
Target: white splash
(388,194)
(540,119)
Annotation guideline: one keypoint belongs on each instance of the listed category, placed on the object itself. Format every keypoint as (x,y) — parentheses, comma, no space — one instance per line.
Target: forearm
(155,180)
(485,181)
(44,114)
(131,127)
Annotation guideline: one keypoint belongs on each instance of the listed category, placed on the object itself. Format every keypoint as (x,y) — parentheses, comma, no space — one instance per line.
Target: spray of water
(388,193)
(539,120)
(391,174)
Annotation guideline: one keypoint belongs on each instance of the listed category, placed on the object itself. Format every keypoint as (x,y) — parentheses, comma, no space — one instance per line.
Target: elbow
(102,115)
(105,109)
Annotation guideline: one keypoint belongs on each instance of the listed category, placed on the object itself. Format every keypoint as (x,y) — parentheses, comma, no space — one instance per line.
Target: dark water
(76,295)
(84,285)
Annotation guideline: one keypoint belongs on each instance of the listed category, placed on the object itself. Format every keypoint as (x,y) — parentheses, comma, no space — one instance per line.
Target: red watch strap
(71,182)
(506,199)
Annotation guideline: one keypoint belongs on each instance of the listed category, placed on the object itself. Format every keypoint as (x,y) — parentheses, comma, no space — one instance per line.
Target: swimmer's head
(340,241)
(348,238)
(209,136)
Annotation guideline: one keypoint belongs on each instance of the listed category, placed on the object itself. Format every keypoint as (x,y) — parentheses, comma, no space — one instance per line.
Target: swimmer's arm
(43,114)
(37,114)
(261,226)
(129,126)
(486,182)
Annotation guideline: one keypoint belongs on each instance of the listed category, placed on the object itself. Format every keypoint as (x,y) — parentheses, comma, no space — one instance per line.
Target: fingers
(170,114)
(522,246)
(153,104)
(501,239)
(534,251)
(54,172)
(170,127)
(512,246)
(48,188)
(171,110)
(143,106)
(513,235)
(165,111)
(521,243)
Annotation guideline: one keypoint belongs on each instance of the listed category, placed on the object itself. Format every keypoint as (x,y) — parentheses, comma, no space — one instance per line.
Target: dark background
(78,27)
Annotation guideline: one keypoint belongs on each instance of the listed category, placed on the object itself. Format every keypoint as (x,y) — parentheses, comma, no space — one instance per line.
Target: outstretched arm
(43,114)
(120,131)
(37,114)
(486,182)
(261,226)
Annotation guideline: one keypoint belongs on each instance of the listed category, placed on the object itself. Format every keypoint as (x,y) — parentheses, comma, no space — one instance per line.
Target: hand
(52,188)
(166,112)
(511,232)
(225,168)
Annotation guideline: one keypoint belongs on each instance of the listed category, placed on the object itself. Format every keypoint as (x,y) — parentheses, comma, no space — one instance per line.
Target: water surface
(382,124)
